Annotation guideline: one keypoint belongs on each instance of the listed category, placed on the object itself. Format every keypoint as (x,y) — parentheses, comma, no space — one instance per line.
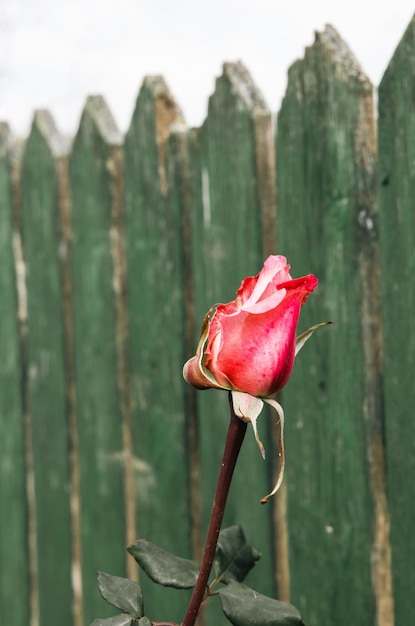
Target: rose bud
(248,345)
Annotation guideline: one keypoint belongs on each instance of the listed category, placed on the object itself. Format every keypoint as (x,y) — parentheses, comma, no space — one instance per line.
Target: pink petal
(267,304)
(272,266)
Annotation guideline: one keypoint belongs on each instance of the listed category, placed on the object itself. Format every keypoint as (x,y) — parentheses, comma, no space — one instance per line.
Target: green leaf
(123,593)
(245,607)
(144,621)
(118,620)
(234,556)
(163,567)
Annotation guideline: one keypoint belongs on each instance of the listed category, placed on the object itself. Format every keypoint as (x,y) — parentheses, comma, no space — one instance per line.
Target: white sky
(53,54)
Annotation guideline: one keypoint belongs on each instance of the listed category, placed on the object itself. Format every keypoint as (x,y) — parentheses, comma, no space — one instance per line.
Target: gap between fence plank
(64,215)
(32,549)
(373,404)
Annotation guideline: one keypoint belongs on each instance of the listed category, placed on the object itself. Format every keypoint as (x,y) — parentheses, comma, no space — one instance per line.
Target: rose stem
(234,439)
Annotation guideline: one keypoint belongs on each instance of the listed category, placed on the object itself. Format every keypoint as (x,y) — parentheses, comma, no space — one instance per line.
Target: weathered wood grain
(397,221)
(327,224)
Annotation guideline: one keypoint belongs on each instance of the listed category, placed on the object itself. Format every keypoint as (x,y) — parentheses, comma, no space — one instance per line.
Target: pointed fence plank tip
(97,112)
(168,111)
(156,116)
(341,52)
(405,43)
(44,123)
(156,84)
(244,85)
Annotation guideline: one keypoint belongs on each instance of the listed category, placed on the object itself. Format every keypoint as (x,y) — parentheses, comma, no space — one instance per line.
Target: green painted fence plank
(39,192)
(228,244)
(14,592)
(327,225)
(96,187)
(156,309)
(396,205)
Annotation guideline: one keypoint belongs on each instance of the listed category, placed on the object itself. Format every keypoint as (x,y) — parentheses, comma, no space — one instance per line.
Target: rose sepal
(281,453)
(248,408)
(305,336)
(193,370)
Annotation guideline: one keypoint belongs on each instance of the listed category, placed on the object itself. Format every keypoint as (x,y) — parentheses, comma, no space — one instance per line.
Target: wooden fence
(111,251)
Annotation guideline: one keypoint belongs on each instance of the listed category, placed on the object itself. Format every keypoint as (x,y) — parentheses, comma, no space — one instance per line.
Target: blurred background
(54,54)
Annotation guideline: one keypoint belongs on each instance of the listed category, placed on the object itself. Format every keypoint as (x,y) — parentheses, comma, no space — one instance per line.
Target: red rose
(249,344)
